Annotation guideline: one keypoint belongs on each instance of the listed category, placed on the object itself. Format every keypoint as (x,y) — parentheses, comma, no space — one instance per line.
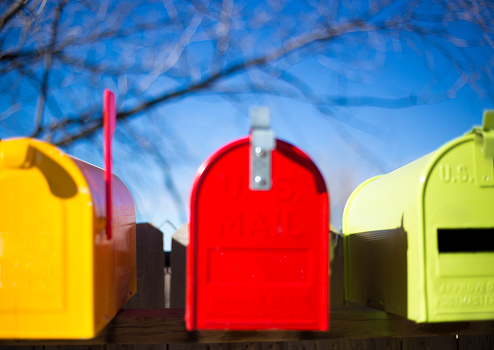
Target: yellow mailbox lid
(60,277)
(418,240)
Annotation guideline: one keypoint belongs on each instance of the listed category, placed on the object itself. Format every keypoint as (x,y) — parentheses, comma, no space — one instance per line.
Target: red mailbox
(259,238)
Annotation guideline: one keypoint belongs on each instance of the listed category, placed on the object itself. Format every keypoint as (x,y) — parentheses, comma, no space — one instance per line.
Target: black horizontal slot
(465,240)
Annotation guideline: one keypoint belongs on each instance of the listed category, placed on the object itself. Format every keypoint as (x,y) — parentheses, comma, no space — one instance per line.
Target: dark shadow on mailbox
(59,180)
(377,275)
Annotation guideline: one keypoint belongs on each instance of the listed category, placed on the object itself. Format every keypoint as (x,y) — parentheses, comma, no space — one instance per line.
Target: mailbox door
(258,259)
(459,231)
(45,244)
(60,277)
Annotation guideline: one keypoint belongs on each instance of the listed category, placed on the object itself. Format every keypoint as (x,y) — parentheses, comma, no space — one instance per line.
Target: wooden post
(150,264)
(150,279)
(168,278)
(337,294)
(180,241)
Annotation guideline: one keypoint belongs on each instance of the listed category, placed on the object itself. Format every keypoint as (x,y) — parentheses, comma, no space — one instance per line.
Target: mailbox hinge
(262,143)
(484,150)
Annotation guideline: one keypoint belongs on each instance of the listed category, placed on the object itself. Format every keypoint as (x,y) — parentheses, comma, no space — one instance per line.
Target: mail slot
(419,240)
(61,274)
(258,252)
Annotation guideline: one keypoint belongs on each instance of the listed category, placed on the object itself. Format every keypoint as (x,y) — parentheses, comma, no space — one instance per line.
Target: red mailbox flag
(258,257)
(109,125)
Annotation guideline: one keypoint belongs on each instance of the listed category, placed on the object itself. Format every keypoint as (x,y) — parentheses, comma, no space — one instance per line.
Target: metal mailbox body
(60,276)
(258,259)
(419,240)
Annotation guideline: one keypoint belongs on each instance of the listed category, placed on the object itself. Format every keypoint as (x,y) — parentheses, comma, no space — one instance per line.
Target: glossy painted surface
(258,259)
(443,204)
(60,277)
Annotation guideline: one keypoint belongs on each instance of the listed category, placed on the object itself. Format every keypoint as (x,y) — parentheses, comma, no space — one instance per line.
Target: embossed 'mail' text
(241,225)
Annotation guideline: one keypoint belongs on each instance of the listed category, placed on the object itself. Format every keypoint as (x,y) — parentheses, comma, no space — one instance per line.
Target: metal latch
(262,143)
(484,150)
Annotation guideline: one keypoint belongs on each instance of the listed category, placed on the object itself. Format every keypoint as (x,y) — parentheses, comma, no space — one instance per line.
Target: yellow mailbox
(60,275)
(419,241)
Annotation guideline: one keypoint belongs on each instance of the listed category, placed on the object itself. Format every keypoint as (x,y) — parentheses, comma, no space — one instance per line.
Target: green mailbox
(419,241)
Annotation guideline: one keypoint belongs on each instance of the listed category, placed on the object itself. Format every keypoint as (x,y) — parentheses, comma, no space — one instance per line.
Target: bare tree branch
(62,55)
(40,105)
(11,11)
(170,185)
(287,48)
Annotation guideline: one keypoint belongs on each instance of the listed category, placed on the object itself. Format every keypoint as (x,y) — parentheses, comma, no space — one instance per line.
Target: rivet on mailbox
(259,237)
(419,241)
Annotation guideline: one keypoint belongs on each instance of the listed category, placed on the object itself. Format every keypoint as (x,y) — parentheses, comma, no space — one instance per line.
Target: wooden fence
(145,323)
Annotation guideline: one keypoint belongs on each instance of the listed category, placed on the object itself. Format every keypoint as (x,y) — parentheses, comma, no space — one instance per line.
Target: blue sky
(397,137)
(201,125)
(349,145)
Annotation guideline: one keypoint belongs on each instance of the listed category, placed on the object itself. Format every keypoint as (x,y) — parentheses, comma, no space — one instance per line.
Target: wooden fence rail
(145,323)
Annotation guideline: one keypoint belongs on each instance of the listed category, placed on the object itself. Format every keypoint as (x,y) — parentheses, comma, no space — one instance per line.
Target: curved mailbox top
(258,259)
(418,241)
(61,276)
